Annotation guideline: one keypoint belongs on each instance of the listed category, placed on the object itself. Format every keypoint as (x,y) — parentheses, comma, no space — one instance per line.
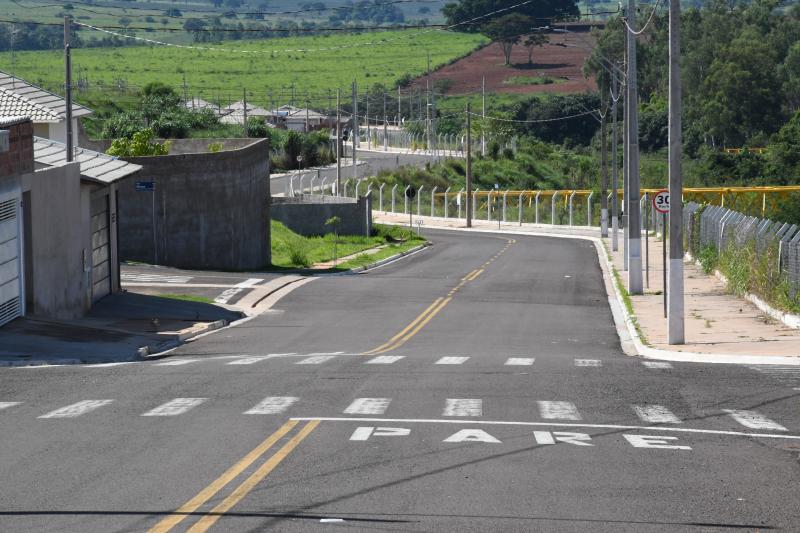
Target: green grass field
(329,62)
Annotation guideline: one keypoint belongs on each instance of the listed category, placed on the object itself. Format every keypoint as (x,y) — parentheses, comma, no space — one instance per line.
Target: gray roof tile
(41,105)
(95,166)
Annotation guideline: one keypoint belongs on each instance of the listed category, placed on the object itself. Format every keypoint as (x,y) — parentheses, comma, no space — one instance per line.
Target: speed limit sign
(661,201)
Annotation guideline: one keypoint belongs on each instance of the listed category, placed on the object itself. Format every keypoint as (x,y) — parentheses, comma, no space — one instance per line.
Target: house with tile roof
(47,110)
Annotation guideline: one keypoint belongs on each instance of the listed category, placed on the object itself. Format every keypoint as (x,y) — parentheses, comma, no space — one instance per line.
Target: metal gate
(11,305)
(101,248)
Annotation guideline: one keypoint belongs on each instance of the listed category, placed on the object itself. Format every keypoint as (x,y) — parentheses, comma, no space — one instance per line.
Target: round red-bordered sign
(661,201)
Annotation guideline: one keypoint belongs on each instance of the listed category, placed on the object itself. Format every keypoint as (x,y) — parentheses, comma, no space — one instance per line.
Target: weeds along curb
(389,259)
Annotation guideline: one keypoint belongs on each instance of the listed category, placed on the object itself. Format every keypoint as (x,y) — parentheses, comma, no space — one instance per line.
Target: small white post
(519,218)
(344,189)
(474,202)
(380,196)
(393,189)
(571,196)
(419,200)
(433,195)
(489,205)
(553,209)
(505,198)
(405,202)
(589,209)
(313,179)
(459,202)
(446,206)
(322,186)
(536,200)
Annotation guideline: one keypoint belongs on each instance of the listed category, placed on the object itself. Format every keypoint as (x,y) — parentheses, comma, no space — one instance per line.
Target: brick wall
(19,158)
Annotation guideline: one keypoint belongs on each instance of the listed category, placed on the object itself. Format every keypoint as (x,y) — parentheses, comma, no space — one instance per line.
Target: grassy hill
(274,65)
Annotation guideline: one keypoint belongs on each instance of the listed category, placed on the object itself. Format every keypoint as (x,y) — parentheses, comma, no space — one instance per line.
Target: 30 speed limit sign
(661,201)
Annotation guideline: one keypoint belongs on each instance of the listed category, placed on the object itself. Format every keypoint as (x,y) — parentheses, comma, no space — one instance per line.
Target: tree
(542,11)
(125,21)
(533,40)
(508,30)
(140,145)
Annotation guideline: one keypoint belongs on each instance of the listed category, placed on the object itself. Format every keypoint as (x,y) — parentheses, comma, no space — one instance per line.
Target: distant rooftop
(18,97)
(101,168)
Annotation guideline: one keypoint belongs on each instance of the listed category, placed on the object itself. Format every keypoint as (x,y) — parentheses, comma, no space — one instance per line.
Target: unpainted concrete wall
(208,210)
(177,146)
(308,216)
(57,234)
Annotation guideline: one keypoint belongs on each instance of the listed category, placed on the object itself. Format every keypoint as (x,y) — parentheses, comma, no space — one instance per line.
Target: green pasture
(314,65)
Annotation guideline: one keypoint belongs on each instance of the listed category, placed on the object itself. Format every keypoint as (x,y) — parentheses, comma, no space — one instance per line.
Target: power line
(649,20)
(535,121)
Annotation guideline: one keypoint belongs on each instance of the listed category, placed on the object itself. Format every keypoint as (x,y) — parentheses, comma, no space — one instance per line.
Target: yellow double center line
(432,310)
(210,518)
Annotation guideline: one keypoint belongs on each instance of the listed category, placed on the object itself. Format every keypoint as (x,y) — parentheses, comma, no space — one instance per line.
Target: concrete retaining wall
(209,210)
(307,215)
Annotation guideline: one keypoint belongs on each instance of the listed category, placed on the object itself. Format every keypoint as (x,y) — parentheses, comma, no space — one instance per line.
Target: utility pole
(385,125)
(356,139)
(604,176)
(68,87)
(307,104)
(614,165)
(625,152)
(398,106)
(244,112)
(185,89)
(338,143)
(366,119)
(483,115)
(675,312)
(428,106)
(634,220)
(468,203)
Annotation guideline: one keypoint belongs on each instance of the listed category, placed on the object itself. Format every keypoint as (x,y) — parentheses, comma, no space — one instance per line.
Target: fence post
(419,200)
(394,187)
(313,179)
(459,202)
(505,196)
(433,195)
(405,199)
(489,205)
(344,189)
(536,201)
(519,218)
(446,191)
(380,196)
(589,209)
(474,202)
(571,196)
(553,209)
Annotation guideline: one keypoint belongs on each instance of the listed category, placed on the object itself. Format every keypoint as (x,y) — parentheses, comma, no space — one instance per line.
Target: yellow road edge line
(251,482)
(207,493)
(405,329)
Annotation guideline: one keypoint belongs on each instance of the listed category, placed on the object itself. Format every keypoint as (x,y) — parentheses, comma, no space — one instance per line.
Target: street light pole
(675,310)
(634,229)
(469,167)
(338,144)
(68,88)
(614,165)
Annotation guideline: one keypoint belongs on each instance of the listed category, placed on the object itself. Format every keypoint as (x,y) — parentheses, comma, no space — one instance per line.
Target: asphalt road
(375,162)
(476,386)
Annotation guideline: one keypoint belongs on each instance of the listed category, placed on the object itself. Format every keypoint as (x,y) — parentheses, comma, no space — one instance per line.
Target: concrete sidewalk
(121,327)
(719,327)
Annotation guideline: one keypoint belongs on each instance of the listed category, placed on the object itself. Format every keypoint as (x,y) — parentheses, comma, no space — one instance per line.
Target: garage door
(10,262)
(101,248)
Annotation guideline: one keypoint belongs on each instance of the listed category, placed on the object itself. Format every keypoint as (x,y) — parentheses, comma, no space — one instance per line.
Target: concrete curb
(389,259)
(629,338)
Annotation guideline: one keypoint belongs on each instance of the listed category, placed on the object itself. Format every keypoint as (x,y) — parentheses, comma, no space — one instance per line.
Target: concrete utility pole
(398,107)
(468,204)
(244,111)
(604,177)
(615,166)
(385,125)
(483,115)
(356,138)
(675,311)
(185,89)
(634,229)
(68,88)
(625,146)
(307,104)
(428,143)
(338,143)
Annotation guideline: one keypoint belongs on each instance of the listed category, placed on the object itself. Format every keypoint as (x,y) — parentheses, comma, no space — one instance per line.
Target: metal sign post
(661,204)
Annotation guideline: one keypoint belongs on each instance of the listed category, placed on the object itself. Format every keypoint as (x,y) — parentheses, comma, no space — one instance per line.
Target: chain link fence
(720,229)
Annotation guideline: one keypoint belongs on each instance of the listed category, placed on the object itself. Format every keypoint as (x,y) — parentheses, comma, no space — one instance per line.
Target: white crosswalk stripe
(558,410)
(108,365)
(789,375)
(753,420)
(250,360)
(154,278)
(657,364)
(588,362)
(76,409)
(272,405)
(175,407)
(315,360)
(368,406)
(463,407)
(6,405)
(520,361)
(177,362)
(451,360)
(384,360)
(655,414)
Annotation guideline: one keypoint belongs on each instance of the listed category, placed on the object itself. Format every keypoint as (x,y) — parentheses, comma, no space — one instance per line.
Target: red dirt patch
(551,60)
